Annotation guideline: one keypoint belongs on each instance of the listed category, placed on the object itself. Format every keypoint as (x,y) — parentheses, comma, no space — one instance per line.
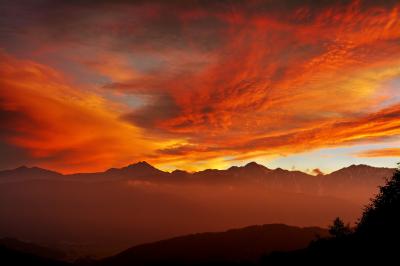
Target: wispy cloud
(386,152)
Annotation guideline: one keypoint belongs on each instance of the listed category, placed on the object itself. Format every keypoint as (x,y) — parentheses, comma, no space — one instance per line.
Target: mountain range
(353,182)
(363,174)
(102,213)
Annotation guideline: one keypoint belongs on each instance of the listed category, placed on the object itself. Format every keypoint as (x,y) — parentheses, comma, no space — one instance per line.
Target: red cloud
(212,80)
(62,127)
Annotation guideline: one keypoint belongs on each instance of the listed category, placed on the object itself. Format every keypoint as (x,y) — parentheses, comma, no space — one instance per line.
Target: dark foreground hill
(13,257)
(235,246)
(32,248)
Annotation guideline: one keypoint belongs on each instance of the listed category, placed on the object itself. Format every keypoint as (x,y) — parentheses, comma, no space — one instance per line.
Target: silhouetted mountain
(12,257)
(359,176)
(251,172)
(32,248)
(233,246)
(294,181)
(138,170)
(356,182)
(362,174)
(180,173)
(25,173)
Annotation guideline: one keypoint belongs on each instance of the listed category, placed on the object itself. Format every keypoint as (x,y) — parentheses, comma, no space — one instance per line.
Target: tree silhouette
(382,217)
(339,229)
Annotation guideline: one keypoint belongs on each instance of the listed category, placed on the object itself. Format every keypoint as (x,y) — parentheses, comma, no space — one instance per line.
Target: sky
(89,85)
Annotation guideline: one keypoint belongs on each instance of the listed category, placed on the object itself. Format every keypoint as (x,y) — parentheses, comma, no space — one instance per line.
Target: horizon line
(192,172)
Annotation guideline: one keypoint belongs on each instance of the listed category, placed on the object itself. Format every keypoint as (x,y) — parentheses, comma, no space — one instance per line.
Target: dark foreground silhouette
(11,257)
(32,248)
(237,246)
(373,241)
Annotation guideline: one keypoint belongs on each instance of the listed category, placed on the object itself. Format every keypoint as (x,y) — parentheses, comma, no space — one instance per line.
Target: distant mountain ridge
(24,172)
(144,169)
(345,182)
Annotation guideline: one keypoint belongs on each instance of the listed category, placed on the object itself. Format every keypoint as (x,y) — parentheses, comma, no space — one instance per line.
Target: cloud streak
(387,152)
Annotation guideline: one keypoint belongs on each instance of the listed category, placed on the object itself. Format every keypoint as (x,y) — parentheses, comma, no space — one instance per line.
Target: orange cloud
(319,86)
(372,127)
(66,128)
(213,83)
(259,77)
(386,152)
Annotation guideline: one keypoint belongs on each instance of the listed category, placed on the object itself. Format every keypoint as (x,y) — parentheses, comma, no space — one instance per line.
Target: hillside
(233,246)
(11,257)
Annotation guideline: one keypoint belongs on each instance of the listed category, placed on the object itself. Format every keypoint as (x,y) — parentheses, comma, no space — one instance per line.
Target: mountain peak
(25,171)
(141,164)
(35,169)
(249,168)
(358,166)
(254,165)
(139,169)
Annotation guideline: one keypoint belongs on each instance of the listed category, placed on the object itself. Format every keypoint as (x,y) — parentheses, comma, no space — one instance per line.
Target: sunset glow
(86,87)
